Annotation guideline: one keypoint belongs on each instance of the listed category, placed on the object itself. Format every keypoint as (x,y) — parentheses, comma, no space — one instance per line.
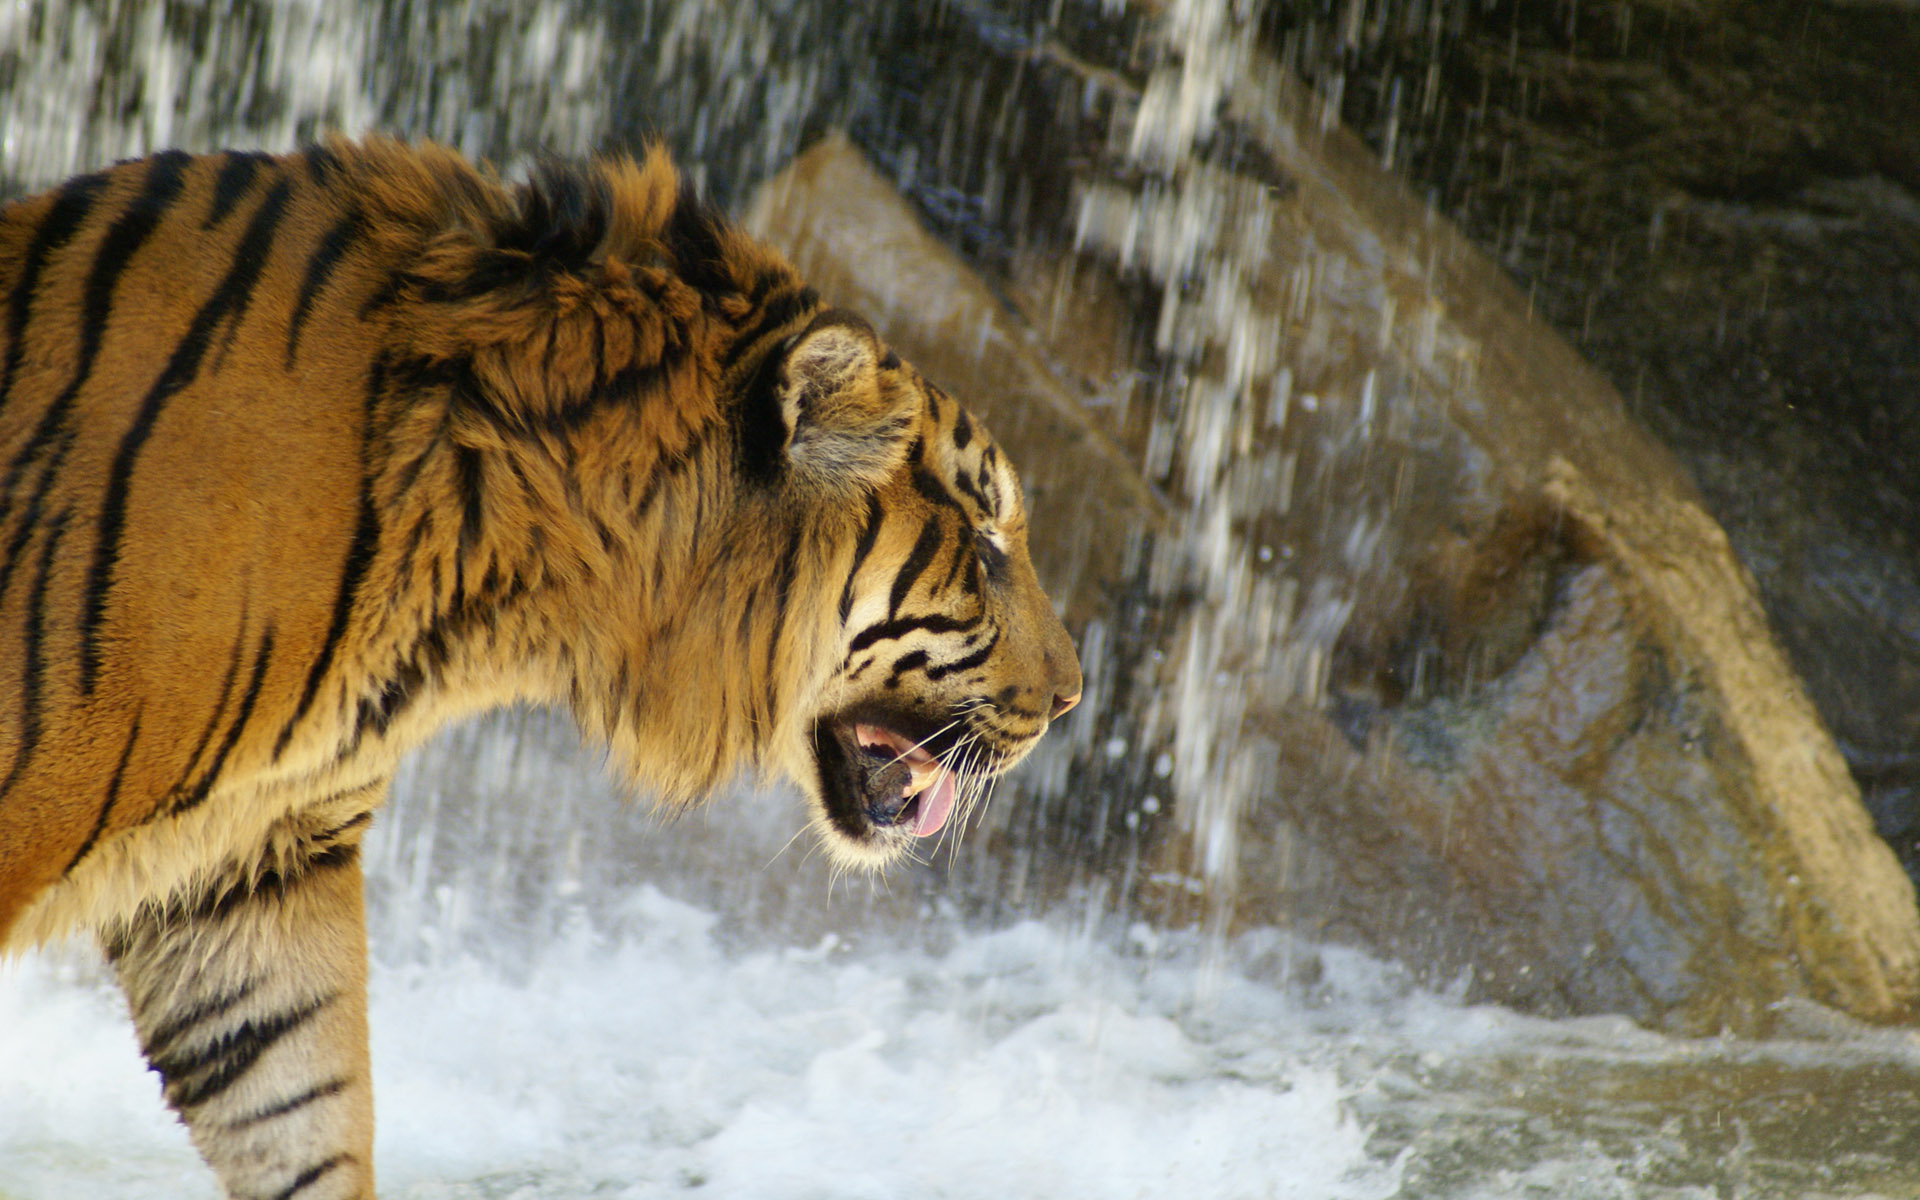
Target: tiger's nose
(1062,704)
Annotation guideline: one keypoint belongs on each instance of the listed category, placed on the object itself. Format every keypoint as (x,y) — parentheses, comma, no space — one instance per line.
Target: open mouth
(875,778)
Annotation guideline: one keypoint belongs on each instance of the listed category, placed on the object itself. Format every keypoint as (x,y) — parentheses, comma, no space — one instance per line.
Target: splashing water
(728,1028)
(1018,1063)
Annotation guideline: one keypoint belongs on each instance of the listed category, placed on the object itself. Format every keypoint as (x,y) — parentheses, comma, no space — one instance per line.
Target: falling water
(574,997)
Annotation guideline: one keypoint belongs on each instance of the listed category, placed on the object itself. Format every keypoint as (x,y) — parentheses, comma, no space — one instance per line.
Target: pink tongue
(935,803)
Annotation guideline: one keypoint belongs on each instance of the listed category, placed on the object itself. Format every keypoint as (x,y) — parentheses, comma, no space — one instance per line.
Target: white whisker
(968,751)
(784,848)
(986,796)
(977,804)
(922,743)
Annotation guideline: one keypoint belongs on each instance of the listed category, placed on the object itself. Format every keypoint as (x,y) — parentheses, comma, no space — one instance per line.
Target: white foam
(1016,1063)
(660,1051)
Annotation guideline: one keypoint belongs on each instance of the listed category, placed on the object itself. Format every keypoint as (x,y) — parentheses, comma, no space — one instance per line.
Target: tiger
(304,456)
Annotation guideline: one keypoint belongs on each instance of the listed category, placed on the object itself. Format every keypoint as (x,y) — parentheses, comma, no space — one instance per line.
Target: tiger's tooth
(923,775)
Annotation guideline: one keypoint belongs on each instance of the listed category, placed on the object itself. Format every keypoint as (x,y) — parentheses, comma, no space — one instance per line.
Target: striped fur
(302,457)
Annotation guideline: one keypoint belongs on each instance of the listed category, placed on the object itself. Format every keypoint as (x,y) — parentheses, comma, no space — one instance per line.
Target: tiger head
(946,660)
(783,548)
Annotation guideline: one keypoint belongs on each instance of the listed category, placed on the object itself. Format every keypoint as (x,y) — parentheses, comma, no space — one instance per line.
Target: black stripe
(470,482)
(936,674)
(106,805)
(622,389)
(931,623)
(692,236)
(930,485)
(409,473)
(228,302)
(366,540)
(746,613)
(334,245)
(970,584)
(360,553)
(562,222)
(760,431)
(234,731)
(782,587)
(396,694)
(908,662)
(157,194)
(127,234)
(992,557)
(271,884)
(667,468)
(388,294)
(322,163)
(292,1104)
(30,516)
(618,695)
(764,281)
(338,855)
(781,311)
(924,548)
(33,676)
(63,219)
(403,562)
(961,553)
(430,650)
(330,837)
(236,176)
(193,1079)
(219,710)
(962,430)
(973,491)
(599,354)
(311,1176)
(869,533)
(370,400)
(182,1023)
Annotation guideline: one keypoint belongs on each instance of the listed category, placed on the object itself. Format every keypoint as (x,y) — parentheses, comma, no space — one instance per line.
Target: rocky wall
(1402,631)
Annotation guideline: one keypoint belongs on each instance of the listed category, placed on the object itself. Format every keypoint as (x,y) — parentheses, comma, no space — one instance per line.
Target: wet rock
(1720,205)
(1398,628)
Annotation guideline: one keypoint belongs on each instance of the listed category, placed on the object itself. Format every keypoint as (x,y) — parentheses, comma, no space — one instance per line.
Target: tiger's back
(302,456)
(161,426)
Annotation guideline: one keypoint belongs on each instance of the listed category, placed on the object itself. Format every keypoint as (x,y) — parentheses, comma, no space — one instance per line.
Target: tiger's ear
(847,427)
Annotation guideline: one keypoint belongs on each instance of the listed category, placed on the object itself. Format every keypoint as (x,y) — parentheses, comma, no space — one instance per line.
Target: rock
(1720,205)
(1398,628)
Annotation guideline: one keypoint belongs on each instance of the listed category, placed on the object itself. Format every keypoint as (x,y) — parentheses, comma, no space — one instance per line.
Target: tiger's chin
(882,781)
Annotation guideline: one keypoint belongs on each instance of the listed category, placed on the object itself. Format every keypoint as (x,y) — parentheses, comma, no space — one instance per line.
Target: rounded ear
(848,428)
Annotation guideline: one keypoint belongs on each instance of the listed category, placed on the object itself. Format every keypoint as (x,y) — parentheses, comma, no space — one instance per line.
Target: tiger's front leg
(250,1002)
